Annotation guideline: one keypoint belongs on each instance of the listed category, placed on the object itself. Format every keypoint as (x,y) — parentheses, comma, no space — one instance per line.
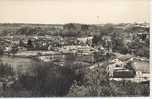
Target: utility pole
(98,18)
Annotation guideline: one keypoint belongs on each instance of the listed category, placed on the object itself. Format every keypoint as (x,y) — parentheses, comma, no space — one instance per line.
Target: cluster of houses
(134,69)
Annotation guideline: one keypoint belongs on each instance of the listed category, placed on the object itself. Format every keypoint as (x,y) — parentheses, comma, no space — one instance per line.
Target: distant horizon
(75,23)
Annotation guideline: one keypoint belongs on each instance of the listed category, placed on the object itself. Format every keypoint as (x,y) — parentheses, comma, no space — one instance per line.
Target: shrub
(95,83)
(1,51)
(6,70)
(48,80)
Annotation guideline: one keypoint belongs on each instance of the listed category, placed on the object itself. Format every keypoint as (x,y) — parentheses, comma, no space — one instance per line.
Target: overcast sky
(77,11)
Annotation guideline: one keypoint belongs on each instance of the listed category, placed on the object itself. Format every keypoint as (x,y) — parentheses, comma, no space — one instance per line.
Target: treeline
(43,80)
(47,80)
(26,29)
(65,29)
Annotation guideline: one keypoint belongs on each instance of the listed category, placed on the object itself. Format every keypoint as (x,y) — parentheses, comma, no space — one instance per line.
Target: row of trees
(48,79)
(71,28)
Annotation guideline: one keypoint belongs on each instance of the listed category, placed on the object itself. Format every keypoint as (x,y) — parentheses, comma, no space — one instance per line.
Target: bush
(48,80)
(140,48)
(1,51)
(6,70)
(128,88)
(95,83)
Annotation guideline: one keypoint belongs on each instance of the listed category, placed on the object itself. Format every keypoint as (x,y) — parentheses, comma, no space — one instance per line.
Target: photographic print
(74,48)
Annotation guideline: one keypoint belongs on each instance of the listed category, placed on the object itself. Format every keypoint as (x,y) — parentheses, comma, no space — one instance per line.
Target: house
(142,68)
(123,73)
(119,69)
(143,35)
(85,40)
(139,71)
(141,65)
(115,64)
(20,49)
(8,49)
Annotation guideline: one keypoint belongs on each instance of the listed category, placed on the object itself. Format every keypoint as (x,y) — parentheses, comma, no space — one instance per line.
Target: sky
(74,11)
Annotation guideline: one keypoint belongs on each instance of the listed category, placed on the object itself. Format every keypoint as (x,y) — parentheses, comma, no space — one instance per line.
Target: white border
(150,20)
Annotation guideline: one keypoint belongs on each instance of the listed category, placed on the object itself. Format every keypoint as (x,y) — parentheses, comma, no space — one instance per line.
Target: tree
(95,40)
(118,44)
(70,26)
(70,30)
(48,79)
(14,49)
(108,28)
(6,70)
(5,32)
(23,30)
(30,31)
(139,48)
(29,44)
(84,27)
(1,51)
(95,83)
(21,43)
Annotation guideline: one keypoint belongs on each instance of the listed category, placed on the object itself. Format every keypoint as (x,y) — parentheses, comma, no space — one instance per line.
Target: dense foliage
(46,79)
(96,83)
(6,70)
